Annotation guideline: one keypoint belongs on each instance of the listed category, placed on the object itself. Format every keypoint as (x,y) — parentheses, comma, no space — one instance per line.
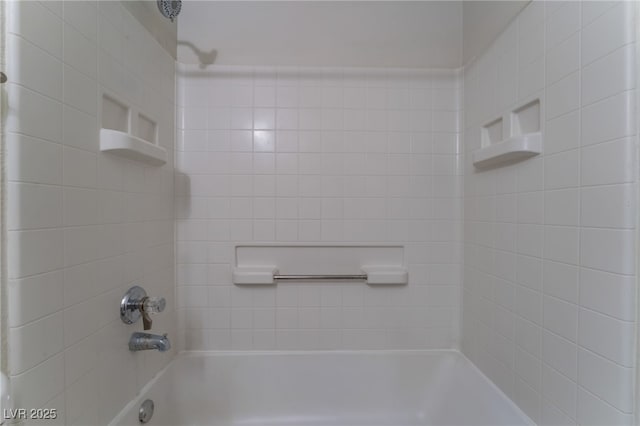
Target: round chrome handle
(136,304)
(130,304)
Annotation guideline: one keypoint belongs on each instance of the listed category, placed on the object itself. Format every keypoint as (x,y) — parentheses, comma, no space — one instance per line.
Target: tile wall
(317,155)
(82,226)
(549,299)
(325,155)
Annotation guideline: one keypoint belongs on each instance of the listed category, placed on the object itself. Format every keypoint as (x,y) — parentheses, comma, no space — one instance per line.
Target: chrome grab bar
(360,277)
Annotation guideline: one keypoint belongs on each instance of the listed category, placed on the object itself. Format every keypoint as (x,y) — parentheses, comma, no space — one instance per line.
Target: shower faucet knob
(151,305)
(154,305)
(136,304)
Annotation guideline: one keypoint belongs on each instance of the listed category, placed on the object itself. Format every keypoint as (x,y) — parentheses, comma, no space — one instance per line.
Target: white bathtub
(391,388)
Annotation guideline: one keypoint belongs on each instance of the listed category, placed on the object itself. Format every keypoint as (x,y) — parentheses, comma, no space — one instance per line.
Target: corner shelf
(128,133)
(511,149)
(128,146)
(512,137)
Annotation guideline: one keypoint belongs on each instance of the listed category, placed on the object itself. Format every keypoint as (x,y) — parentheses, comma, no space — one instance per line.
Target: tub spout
(146,341)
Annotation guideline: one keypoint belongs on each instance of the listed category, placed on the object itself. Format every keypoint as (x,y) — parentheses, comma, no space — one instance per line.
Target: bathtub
(392,388)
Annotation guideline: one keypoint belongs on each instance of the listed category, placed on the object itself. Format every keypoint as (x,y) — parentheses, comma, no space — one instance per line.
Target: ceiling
(421,34)
(483,21)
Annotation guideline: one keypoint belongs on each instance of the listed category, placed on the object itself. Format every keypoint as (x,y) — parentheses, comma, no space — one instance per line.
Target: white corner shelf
(128,146)
(511,149)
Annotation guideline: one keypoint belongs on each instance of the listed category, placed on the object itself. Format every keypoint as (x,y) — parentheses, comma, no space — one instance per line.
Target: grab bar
(361,277)
(372,275)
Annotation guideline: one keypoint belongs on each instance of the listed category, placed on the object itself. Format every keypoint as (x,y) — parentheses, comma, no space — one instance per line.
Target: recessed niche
(261,264)
(115,115)
(492,132)
(526,119)
(146,129)
(513,137)
(128,133)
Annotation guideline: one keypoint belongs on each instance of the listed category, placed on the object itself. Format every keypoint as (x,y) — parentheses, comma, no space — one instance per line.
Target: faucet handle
(136,304)
(146,321)
(151,305)
(154,305)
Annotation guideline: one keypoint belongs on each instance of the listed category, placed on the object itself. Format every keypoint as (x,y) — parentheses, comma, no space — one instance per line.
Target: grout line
(580,215)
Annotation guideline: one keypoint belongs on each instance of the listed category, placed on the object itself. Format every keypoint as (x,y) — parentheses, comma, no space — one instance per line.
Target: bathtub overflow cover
(146,411)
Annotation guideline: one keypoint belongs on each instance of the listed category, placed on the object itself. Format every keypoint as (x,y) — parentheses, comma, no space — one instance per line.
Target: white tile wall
(549,243)
(82,226)
(325,155)
(317,155)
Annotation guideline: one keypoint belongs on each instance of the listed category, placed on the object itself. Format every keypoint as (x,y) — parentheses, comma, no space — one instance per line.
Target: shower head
(170,8)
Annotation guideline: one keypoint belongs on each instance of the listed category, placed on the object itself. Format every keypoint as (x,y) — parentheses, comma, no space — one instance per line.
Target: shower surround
(549,299)
(529,269)
(317,155)
(83,226)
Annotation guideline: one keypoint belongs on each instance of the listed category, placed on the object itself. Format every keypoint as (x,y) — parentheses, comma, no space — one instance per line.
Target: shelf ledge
(128,146)
(510,150)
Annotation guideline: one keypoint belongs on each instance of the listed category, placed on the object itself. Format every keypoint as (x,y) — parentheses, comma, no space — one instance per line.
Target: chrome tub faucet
(145,341)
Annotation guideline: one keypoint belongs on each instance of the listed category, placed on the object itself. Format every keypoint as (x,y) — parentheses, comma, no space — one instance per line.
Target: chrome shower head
(170,8)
